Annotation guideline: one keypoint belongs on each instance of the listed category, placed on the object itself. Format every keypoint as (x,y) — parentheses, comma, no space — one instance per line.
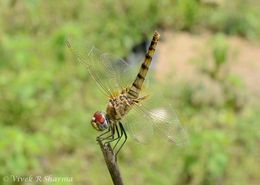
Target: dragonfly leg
(110,136)
(119,134)
(123,133)
(100,137)
(117,138)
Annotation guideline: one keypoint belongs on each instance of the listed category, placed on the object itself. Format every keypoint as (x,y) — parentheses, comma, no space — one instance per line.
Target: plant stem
(111,163)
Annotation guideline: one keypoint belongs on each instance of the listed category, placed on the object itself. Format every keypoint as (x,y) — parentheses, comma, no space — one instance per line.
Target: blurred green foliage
(46,100)
(228,90)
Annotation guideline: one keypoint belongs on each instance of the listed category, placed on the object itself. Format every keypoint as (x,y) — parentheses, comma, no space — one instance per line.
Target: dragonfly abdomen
(136,87)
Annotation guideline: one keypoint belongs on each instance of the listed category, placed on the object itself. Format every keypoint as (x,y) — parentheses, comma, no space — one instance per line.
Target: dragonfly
(127,98)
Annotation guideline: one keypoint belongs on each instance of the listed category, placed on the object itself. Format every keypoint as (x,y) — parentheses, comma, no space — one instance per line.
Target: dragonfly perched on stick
(125,97)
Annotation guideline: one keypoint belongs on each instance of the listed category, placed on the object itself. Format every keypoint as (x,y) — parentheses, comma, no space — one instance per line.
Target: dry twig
(111,163)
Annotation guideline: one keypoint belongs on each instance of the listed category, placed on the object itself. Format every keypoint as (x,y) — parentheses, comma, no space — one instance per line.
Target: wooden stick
(111,163)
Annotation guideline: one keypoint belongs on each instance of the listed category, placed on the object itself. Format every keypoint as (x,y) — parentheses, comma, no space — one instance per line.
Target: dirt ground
(178,50)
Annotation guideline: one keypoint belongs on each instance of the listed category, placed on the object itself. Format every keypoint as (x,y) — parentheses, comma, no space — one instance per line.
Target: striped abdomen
(135,89)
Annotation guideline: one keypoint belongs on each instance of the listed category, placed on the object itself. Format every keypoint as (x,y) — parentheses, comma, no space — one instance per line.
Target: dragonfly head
(99,121)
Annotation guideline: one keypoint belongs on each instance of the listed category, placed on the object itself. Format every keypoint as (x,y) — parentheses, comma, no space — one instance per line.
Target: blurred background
(208,62)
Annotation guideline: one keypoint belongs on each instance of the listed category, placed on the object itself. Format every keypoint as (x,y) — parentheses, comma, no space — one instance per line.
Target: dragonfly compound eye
(99,121)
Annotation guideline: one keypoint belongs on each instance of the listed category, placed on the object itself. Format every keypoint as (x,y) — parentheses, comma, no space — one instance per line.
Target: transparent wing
(110,73)
(156,117)
(138,127)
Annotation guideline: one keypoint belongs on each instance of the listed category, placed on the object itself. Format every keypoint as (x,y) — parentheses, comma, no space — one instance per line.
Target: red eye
(99,118)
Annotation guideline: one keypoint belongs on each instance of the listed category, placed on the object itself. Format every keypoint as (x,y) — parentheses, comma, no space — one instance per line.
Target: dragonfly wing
(166,123)
(150,119)
(138,127)
(107,71)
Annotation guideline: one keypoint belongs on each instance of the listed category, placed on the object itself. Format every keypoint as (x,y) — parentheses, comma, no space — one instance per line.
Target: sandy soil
(178,50)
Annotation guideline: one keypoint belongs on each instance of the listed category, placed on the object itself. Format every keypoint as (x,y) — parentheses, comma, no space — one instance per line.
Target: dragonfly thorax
(100,121)
(119,106)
